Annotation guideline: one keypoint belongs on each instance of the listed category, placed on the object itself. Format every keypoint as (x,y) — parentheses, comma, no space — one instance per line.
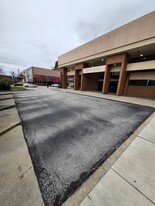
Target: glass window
(114,75)
(138,82)
(101,75)
(151,83)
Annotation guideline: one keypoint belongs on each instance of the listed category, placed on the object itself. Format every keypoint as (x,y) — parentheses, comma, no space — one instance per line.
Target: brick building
(6,78)
(121,61)
(41,76)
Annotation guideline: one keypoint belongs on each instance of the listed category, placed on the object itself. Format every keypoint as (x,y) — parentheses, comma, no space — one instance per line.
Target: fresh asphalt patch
(70,135)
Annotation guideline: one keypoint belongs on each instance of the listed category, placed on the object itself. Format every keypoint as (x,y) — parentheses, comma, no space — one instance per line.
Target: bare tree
(13,75)
(16,77)
(1,71)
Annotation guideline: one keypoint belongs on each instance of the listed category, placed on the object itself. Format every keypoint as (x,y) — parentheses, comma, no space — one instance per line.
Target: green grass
(17,88)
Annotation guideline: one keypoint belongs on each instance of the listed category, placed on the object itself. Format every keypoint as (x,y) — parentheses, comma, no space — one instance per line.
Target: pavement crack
(22,175)
(90,199)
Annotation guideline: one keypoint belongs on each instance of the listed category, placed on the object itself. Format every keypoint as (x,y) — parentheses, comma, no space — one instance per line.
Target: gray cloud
(88,30)
(37,32)
(111,16)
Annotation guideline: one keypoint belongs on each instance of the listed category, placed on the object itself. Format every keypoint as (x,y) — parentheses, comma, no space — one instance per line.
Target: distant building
(6,78)
(120,62)
(41,76)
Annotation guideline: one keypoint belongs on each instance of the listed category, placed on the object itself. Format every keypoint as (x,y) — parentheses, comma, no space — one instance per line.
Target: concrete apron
(81,194)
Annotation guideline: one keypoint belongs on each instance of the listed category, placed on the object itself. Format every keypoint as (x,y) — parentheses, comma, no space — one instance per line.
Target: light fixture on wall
(140,53)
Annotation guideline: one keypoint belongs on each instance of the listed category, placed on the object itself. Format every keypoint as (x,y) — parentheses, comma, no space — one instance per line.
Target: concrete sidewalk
(18,183)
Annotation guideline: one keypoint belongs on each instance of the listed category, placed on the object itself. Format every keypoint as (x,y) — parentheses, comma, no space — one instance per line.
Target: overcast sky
(36,32)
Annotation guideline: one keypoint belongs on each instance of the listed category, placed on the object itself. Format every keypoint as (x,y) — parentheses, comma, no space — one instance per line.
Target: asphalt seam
(146,139)
(133,186)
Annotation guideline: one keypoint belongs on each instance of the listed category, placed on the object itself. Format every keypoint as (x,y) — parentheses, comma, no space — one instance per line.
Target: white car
(29,85)
(55,85)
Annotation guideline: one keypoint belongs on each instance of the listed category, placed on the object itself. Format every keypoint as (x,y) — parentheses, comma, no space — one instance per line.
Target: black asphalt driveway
(70,135)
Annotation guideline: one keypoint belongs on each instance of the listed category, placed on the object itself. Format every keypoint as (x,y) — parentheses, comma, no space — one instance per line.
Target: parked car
(18,84)
(55,85)
(29,85)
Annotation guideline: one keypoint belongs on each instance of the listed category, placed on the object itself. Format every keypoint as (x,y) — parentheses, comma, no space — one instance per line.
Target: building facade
(6,78)
(41,76)
(121,61)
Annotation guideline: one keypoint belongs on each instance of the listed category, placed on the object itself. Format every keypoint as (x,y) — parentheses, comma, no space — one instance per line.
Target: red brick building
(6,78)
(41,76)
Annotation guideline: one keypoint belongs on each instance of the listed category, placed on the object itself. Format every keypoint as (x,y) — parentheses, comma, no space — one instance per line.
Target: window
(151,82)
(114,75)
(101,76)
(138,82)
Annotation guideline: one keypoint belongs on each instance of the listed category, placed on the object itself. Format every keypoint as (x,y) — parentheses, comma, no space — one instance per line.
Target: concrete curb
(9,128)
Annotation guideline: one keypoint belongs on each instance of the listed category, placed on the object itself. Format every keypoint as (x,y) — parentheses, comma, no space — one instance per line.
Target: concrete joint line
(9,128)
(133,186)
(9,107)
(6,98)
(6,93)
(146,139)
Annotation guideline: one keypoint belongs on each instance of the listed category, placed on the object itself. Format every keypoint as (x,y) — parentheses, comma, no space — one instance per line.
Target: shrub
(4,85)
